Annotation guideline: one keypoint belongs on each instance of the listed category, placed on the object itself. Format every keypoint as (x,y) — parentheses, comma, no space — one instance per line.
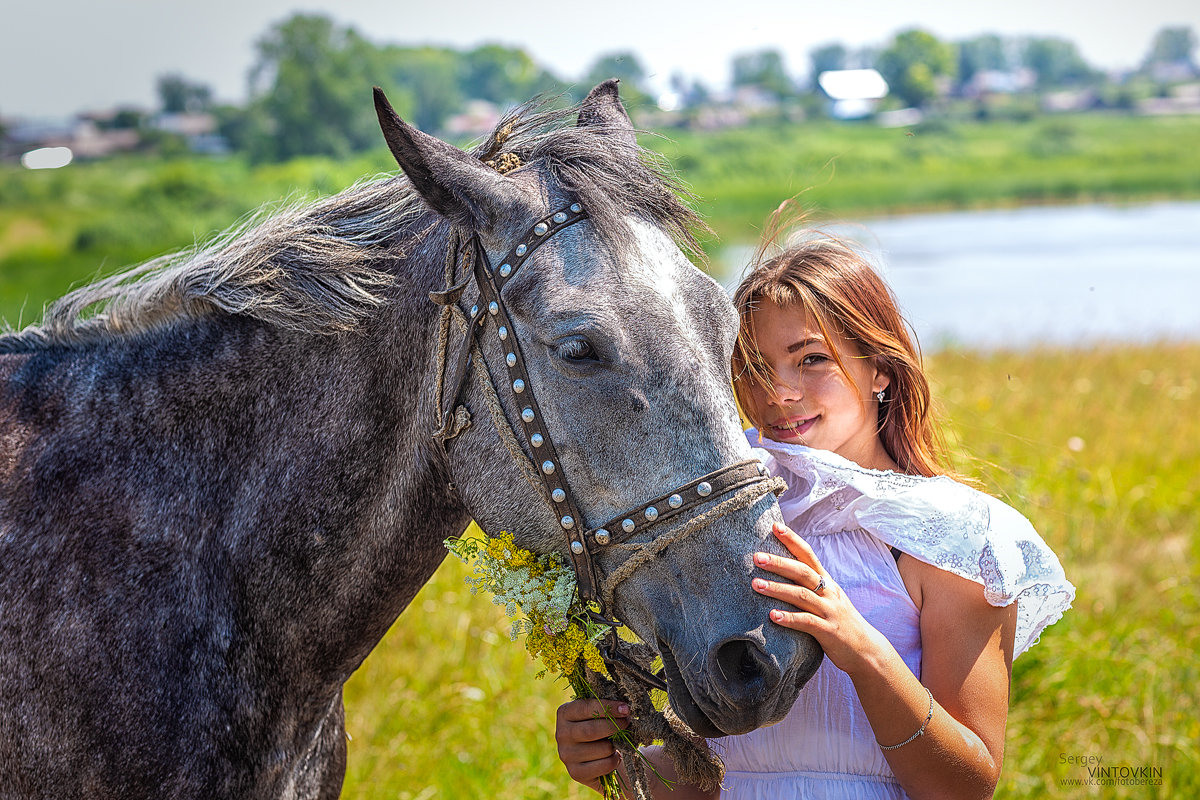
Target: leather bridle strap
(685,498)
(533,426)
(537,235)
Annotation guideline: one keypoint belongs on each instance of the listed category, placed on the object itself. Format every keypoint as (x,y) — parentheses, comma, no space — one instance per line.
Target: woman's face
(812,401)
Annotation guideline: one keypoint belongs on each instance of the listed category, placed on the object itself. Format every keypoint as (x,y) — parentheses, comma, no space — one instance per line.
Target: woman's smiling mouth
(792,427)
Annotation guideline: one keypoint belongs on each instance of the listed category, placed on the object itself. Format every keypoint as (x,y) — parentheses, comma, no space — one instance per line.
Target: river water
(1072,275)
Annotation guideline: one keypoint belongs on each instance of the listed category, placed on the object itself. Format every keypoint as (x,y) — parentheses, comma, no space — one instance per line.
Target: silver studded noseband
(490,315)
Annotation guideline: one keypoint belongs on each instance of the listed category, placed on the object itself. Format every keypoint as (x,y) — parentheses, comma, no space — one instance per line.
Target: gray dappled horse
(219,490)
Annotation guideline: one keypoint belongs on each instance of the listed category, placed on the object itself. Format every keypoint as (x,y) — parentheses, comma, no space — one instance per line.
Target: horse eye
(577,349)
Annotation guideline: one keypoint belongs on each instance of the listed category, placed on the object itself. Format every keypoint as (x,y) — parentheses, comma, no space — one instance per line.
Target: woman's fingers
(590,720)
(588,709)
(796,545)
(804,597)
(790,568)
(590,772)
(805,584)
(590,760)
(800,621)
(592,730)
(803,569)
(808,609)
(581,730)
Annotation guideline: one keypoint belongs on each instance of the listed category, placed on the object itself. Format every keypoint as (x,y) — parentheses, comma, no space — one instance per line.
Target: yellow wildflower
(541,588)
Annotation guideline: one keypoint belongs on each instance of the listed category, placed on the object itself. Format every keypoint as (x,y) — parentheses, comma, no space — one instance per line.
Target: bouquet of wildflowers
(557,630)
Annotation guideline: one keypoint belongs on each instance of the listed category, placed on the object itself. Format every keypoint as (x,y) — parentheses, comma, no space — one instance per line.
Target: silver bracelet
(920,731)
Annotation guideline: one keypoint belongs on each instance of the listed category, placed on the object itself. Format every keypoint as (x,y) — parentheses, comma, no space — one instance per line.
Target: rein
(745,481)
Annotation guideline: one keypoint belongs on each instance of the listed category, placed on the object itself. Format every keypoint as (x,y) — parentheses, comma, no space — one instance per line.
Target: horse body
(165,522)
(217,496)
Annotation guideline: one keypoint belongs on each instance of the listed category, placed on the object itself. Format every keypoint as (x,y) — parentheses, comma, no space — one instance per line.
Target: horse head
(626,347)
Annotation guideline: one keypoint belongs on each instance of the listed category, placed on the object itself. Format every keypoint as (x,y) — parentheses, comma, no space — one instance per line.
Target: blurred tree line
(309,88)
(310,80)
(308,85)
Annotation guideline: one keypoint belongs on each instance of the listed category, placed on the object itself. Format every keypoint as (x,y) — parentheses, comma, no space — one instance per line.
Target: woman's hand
(582,728)
(822,609)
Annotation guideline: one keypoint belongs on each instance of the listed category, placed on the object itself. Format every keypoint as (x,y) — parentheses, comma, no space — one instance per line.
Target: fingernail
(759,584)
(762,558)
(776,616)
(623,709)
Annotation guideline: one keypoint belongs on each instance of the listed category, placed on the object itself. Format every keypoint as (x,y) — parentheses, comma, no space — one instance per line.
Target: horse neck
(298,468)
(363,523)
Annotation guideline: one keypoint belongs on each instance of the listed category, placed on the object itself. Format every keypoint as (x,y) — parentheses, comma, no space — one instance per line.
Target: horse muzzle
(740,685)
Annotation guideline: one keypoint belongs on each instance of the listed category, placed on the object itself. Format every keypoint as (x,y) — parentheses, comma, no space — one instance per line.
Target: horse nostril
(744,667)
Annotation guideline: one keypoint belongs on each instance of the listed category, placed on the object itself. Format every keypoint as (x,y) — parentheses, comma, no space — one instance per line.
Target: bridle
(489,317)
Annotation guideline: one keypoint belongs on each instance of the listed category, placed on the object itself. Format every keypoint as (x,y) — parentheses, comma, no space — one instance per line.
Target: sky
(62,56)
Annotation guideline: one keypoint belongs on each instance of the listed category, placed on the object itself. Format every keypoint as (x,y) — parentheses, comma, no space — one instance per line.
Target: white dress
(851,516)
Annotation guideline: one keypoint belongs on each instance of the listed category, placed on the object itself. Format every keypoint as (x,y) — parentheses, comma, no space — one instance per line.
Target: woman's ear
(881,379)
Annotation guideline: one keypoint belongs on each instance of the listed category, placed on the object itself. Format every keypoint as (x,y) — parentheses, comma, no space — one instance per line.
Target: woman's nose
(785,392)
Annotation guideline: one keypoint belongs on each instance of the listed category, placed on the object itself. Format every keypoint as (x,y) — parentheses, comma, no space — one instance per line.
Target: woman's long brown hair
(834,286)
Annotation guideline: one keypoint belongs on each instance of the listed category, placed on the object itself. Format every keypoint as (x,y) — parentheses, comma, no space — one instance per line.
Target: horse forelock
(614,178)
(323,267)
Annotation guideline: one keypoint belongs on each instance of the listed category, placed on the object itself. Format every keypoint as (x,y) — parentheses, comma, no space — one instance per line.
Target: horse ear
(454,184)
(602,108)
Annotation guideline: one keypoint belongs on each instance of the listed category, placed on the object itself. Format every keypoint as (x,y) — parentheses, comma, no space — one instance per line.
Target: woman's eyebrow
(800,345)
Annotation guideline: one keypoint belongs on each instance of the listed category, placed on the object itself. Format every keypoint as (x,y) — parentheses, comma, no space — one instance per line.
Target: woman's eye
(577,349)
(813,359)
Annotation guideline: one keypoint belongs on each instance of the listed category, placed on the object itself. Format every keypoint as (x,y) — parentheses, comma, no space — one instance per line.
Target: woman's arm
(966,662)
(967,648)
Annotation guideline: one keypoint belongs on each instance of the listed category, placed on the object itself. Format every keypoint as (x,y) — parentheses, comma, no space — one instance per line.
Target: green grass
(447,707)
(60,228)
(1117,677)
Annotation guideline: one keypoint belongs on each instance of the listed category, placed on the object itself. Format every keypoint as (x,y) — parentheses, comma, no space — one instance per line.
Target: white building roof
(853,84)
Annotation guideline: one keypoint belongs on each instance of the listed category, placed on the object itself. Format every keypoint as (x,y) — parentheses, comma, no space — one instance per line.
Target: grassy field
(1100,448)
(1116,678)
(62,227)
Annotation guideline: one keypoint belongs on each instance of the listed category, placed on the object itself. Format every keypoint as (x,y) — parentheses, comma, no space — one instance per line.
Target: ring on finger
(820,585)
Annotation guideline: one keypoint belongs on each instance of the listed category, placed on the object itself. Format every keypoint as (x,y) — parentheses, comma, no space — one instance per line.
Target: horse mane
(321,267)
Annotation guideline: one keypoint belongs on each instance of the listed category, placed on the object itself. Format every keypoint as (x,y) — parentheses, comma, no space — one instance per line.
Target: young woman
(920,589)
